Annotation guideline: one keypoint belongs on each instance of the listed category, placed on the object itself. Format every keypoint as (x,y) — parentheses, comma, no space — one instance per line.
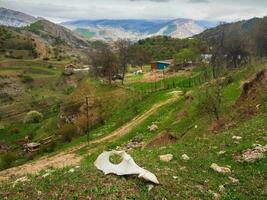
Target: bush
(14,131)
(45,58)
(49,148)
(211,100)
(70,89)
(68,132)
(33,117)
(27,79)
(6,160)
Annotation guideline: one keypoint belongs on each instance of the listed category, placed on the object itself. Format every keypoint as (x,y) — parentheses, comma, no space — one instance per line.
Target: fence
(183,83)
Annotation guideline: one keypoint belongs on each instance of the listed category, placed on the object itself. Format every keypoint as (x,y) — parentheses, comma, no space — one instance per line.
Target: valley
(186,99)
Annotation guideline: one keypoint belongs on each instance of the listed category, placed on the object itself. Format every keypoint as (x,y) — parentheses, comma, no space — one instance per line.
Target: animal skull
(126,167)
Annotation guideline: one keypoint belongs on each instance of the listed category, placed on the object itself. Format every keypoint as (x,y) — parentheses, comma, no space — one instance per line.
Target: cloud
(158,1)
(199,1)
(62,10)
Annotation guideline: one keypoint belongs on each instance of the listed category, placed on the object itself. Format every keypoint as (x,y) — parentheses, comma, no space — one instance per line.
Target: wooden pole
(87,118)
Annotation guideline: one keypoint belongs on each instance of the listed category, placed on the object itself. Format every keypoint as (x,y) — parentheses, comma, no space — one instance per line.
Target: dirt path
(68,157)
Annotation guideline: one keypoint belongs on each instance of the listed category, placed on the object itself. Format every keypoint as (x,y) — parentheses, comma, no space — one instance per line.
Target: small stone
(166,158)
(139,138)
(221,152)
(215,195)
(20,180)
(237,137)
(45,175)
(175,177)
(150,187)
(221,188)
(196,126)
(257,145)
(39,193)
(185,157)
(182,168)
(71,170)
(233,180)
(251,155)
(77,167)
(153,127)
(219,169)
(200,187)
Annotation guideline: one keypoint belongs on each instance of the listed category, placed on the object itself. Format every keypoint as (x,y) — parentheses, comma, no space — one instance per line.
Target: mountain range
(137,29)
(110,30)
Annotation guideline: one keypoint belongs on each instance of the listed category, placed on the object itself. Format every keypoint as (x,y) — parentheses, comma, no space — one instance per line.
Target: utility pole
(87,117)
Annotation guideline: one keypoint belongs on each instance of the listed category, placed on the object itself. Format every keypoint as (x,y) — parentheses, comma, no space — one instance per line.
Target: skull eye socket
(115,159)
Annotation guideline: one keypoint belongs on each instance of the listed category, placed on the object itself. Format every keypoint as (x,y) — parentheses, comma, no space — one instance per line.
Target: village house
(161,65)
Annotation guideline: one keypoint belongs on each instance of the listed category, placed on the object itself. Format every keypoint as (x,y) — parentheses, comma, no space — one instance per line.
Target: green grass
(179,179)
(194,177)
(85,32)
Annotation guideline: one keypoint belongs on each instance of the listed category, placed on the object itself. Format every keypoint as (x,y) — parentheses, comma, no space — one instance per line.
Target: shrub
(211,100)
(49,148)
(6,160)
(27,79)
(33,117)
(45,58)
(14,131)
(68,132)
(70,89)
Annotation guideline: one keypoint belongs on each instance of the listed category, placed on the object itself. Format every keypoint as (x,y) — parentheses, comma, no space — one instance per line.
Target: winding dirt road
(68,157)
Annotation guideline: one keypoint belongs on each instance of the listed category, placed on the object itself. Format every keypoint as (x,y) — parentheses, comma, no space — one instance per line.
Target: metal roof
(164,61)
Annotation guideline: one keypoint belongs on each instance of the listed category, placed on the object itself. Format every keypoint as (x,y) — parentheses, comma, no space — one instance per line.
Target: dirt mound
(253,95)
(163,139)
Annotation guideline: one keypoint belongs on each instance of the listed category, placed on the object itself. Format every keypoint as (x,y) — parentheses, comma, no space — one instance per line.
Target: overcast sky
(62,10)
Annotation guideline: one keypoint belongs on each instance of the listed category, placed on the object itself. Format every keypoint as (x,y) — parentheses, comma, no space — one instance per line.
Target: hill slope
(14,18)
(244,29)
(56,34)
(180,178)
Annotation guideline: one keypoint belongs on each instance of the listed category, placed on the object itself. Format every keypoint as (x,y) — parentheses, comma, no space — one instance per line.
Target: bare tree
(104,62)
(260,37)
(236,50)
(139,56)
(123,48)
(217,53)
(211,101)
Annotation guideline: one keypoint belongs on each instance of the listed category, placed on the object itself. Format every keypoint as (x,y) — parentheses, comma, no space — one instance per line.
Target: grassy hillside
(198,134)
(56,34)
(164,47)
(16,45)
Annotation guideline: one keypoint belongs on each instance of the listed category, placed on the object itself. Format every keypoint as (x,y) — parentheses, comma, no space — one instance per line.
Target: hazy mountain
(14,18)
(137,29)
(108,30)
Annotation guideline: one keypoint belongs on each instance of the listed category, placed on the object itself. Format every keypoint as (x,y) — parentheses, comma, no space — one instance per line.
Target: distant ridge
(138,29)
(15,18)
